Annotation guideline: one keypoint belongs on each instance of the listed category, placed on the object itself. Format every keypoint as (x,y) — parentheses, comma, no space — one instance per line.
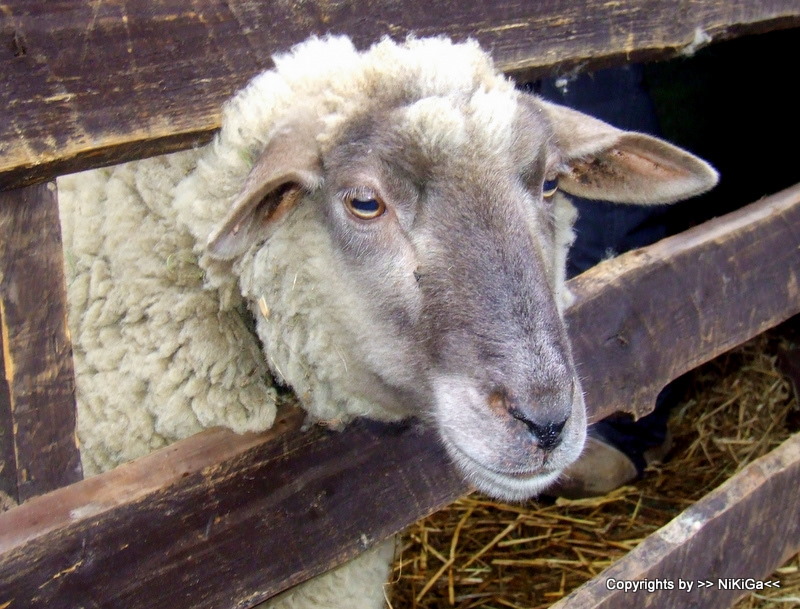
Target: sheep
(383,231)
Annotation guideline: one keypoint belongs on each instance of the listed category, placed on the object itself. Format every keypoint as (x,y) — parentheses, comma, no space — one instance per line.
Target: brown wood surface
(38,447)
(136,479)
(85,83)
(265,516)
(742,530)
(647,317)
(217,519)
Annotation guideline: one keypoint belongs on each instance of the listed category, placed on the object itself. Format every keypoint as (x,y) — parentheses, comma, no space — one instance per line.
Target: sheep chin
(513,487)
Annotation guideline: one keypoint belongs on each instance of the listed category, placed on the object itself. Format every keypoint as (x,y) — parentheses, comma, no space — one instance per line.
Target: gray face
(454,257)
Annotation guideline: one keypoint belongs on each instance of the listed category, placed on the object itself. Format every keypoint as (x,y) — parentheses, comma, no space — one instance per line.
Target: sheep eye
(549,188)
(365,207)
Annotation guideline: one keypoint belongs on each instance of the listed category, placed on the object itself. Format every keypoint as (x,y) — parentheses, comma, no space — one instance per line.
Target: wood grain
(227,531)
(38,446)
(743,529)
(650,315)
(136,479)
(87,83)
(227,522)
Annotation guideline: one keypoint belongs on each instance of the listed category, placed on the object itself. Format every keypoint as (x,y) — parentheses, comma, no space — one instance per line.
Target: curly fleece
(157,356)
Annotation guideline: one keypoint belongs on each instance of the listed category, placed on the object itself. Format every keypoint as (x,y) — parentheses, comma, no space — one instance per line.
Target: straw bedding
(481,553)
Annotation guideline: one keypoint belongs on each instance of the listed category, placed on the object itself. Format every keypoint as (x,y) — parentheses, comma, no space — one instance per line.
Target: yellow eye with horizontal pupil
(549,188)
(365,208)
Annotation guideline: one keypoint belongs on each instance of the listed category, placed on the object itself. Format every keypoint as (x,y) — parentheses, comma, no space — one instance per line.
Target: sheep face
(454,252)
(440,245)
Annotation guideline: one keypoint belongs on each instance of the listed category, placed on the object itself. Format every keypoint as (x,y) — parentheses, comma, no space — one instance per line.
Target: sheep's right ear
(288,167)
(608,164)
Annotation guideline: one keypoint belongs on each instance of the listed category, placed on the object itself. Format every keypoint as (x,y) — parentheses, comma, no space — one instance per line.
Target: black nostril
(548,435)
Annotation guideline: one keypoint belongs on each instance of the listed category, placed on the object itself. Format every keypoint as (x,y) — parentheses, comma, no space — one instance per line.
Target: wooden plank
(740,531)
(225,532)
(647,317)
(142,477)
(38,446)
(206,518)
(85,83)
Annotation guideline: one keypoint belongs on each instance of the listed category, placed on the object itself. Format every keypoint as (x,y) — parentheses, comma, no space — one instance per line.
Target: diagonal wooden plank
(229,530)
(732,538)
(38,447)
(645,318)
(206,518)
(86,83)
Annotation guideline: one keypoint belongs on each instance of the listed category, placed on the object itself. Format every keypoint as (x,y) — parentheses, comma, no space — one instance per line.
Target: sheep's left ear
(608,164)
(288,167)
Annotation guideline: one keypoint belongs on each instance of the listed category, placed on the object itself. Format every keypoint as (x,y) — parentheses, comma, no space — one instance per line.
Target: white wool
(358,584)
(156,359)
(305,349)
(565,215)
(491,113)
(438,123)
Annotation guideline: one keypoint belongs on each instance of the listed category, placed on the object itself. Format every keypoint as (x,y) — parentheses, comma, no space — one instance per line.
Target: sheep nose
(546,430)
(548,435)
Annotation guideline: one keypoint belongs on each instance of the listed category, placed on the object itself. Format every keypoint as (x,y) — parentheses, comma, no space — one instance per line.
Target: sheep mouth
(508,485)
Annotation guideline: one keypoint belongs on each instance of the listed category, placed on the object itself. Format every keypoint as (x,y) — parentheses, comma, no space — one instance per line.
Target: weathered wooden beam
(244,519)
(740,531)
(645,318)
(223,523)
(38,447)
(84,83)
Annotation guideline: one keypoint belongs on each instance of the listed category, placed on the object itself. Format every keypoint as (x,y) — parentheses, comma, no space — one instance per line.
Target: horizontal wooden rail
(84,84)
(738,532)
(219,517)
(646,317)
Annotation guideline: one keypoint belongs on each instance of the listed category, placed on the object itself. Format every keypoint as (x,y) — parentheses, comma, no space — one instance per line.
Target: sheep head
(439,219)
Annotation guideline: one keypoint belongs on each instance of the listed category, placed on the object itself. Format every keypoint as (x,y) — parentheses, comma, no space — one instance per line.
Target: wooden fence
(200,523)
